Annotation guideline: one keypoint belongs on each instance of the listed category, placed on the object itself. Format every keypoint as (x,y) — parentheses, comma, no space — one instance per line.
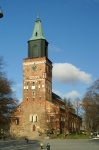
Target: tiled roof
(56,96)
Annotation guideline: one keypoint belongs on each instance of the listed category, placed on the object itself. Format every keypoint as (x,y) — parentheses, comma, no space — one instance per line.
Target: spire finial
(38,17)
(37,32)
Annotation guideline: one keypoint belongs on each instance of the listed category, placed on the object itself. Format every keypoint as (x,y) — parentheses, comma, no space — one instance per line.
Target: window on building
(33,118)
(17,121)
(33,93)
(27,98)
(40,98)
(62,119)
(36,118)
(33,98)
(36,34)
(33,83)
(51,118)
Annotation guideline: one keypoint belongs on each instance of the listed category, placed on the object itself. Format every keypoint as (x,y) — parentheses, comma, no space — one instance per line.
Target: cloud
(72,95)
(69,74)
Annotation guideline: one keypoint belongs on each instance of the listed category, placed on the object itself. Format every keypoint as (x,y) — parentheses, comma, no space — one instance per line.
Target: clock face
(34,67)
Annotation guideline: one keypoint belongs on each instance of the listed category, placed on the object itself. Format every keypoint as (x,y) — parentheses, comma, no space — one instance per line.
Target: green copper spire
(37,32)
(37,44)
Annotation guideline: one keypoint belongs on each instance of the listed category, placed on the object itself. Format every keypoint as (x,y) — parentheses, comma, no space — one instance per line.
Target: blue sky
(72,29)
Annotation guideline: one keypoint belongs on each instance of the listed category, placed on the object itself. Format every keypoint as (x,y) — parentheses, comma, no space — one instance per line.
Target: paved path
(18,145)
(56,144)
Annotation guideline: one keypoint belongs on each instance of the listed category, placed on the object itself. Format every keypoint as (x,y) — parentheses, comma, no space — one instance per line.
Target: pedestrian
(41,144)
(27,140)
(48,146)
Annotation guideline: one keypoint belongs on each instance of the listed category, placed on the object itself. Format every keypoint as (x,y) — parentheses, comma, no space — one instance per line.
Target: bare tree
(77,106)
(7,99)
(68,103)
(91,106)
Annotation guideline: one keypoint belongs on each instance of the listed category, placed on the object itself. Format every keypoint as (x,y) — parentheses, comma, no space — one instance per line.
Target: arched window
(17,121)
(36,34)
(35,51)
(33,93)
(33,118)
(33,83)
(33,98)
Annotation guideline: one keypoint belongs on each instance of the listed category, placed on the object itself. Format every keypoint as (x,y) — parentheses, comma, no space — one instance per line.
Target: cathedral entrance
(34,128)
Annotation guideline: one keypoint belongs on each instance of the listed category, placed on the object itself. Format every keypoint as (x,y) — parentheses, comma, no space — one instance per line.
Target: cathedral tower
(41,111)
(37,68)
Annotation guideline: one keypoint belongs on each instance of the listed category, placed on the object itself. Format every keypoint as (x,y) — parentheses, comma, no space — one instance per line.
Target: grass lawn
(70,136)
(74,136)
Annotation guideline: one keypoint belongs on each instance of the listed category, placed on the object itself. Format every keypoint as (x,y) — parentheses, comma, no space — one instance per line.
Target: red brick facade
(41,110)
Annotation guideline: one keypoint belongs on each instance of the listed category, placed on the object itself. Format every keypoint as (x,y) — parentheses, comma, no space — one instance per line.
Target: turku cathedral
(41,110)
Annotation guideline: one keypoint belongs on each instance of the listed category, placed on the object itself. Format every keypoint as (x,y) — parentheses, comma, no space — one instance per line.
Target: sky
(71,28)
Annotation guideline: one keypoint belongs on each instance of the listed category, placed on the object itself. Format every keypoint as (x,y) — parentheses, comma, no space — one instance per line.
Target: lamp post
(1,13)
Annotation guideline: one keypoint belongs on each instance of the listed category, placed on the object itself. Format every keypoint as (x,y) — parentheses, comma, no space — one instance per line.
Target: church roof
(56,96)
(37,32)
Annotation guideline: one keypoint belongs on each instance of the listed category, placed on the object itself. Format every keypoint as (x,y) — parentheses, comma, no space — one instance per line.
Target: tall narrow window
(51,118)
(33,93)
(31,118)
(17,121)
(33,83)
(35,118)
(36,34)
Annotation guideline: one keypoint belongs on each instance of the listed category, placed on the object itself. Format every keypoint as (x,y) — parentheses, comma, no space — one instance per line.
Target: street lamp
(1,13)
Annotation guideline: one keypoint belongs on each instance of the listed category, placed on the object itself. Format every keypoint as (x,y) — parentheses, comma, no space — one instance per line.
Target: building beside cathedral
(41,110)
